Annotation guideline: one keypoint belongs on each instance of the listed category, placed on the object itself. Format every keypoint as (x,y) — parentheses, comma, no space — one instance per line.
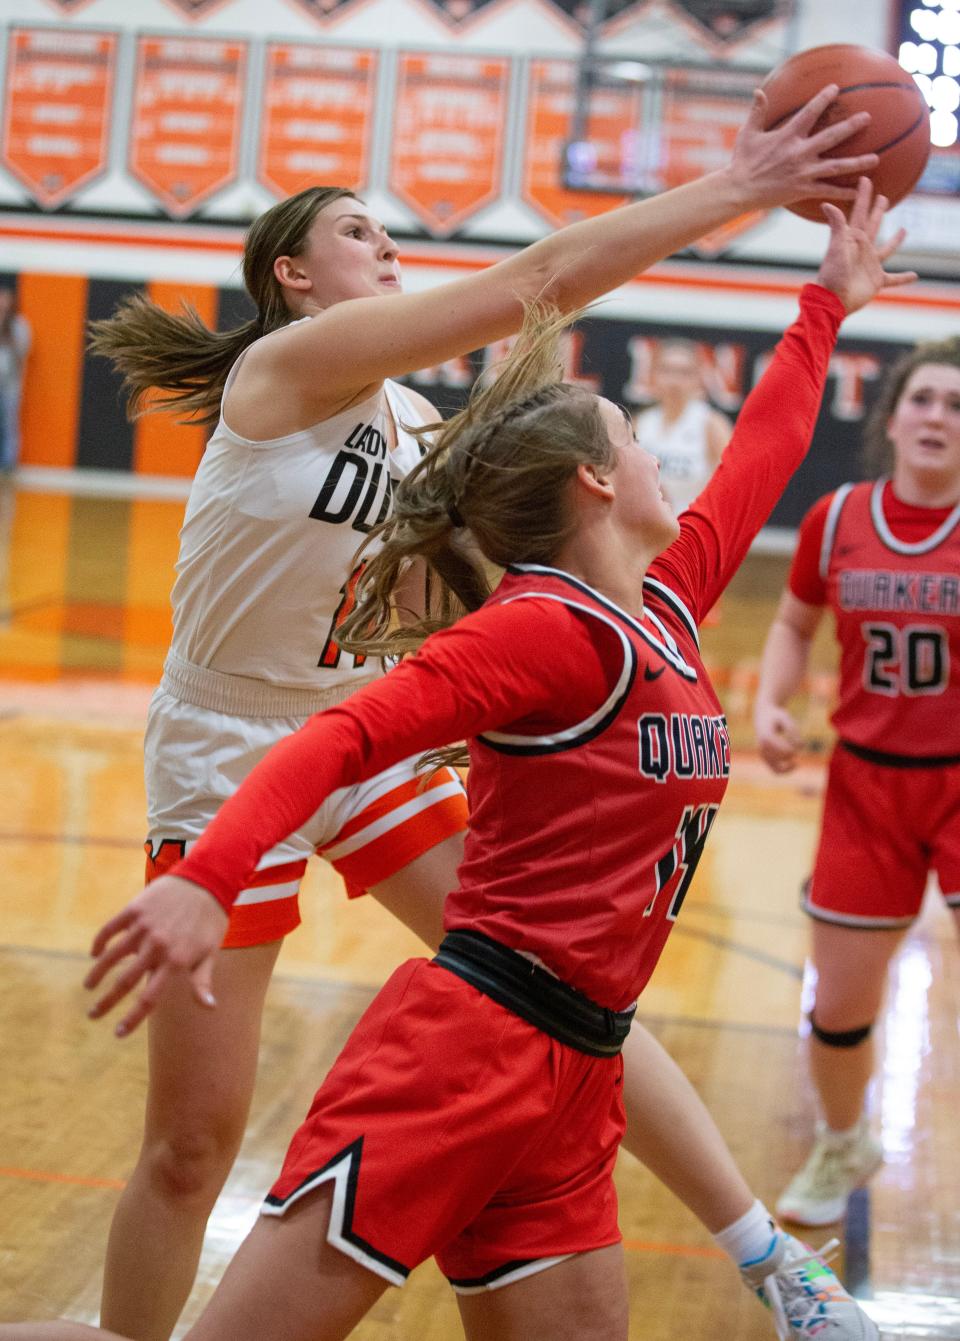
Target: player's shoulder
(717,419)
(829,504)
(549,605)
(424,407)
(646,414)
(523,632)
(815,515)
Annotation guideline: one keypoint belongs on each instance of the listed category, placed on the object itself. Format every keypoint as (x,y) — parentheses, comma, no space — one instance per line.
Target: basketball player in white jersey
(682,430)
(308,437)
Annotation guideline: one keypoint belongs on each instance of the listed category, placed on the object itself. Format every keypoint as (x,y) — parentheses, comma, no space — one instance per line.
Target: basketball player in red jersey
(476,1112)
(288,486)
(884,557)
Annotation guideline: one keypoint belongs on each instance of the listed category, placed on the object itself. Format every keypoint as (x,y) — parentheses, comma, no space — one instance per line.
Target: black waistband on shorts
(534,994)
(901,760)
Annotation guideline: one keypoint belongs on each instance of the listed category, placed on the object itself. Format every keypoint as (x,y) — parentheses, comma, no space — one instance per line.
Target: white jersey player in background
(682,430)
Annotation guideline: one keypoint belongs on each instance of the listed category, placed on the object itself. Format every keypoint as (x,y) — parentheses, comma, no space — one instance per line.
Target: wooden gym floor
(83,624)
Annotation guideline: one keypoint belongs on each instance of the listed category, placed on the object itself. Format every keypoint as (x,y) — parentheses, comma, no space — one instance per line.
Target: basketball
(870,81)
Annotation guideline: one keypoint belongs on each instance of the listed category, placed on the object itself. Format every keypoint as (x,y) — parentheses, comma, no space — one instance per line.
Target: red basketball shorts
(196,759)
(450,1127)
(884,830)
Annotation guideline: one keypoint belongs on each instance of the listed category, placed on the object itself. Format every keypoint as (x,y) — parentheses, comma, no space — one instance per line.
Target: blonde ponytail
(491,490)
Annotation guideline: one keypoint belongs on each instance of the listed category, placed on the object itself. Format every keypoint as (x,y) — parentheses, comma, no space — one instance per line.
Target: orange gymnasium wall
(177,121)
(73,415)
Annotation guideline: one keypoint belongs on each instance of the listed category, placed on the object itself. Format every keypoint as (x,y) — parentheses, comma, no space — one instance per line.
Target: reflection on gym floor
(84,586)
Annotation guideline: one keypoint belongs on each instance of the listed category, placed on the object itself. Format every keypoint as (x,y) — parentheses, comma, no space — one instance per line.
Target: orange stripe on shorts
(250,923)
(398,847)
(392,800)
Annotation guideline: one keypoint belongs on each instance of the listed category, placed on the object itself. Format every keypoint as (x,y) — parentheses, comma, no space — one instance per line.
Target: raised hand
(173,927)
(787,163)
(853,267)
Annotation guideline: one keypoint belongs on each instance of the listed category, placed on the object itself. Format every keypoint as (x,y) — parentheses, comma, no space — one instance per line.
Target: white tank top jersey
(266,555)
(681,449)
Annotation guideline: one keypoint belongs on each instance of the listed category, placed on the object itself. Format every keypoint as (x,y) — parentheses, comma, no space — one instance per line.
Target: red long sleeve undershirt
(508,666)
(771,438)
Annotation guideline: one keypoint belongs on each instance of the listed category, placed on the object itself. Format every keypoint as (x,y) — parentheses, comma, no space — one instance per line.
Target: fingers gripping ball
(869,81)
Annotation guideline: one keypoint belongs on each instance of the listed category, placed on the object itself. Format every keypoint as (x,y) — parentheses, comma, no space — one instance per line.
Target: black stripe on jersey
(522,1264)
(671,599)
(550,745)
(344,1171)
(886,536)
(900,760)
(671,657)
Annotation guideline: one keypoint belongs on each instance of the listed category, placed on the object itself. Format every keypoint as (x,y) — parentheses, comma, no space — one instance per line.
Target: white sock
(838,1137)
(751,1238)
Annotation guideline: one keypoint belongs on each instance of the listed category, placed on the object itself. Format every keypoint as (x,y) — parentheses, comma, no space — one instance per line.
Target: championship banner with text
(448,127)
(56,115)
(702,112)
(187,102)
(318,111)
(611,132)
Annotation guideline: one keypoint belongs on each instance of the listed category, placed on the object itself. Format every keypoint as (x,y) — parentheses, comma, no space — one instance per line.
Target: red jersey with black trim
(583,840)
(890,572)
(599,750)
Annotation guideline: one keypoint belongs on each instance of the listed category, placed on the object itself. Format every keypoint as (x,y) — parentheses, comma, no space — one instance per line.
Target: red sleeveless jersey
(897,610)
(591,880)
(599,750)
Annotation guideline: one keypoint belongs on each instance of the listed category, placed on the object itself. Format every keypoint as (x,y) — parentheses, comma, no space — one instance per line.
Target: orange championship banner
(449,120)
(318,112)
(612,131)
(56,113)
(702,112)
(187,103)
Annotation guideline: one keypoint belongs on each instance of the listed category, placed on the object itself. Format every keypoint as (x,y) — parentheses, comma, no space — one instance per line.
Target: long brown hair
(877,447)
(177,355)
(490,490)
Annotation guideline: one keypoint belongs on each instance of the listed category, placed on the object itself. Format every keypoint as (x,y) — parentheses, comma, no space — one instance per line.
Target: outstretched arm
(356,344)
(492,668)
(775,427)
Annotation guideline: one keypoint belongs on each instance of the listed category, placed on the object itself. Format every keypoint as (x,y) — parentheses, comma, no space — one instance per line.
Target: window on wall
(929,48)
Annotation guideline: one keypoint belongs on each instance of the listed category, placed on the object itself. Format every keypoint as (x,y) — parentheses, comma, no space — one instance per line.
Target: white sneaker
(817,1195)
(804,1296)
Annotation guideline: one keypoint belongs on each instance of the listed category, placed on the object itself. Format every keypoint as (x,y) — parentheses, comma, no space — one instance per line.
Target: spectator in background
(682,430)
(14,348)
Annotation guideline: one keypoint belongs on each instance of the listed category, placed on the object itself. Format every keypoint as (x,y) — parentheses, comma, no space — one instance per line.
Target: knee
(190,1165)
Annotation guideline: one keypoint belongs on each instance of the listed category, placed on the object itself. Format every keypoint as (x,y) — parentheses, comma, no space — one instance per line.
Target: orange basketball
(870,81)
